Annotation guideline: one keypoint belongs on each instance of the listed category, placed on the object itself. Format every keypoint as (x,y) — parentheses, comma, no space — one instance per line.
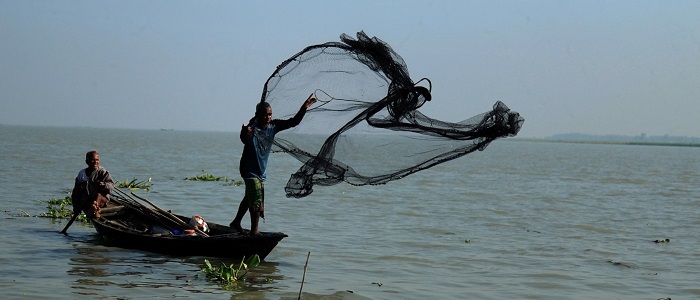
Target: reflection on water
(97,267)
(98,271)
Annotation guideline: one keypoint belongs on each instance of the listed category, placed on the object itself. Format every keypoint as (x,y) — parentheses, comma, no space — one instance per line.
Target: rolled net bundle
(365,127)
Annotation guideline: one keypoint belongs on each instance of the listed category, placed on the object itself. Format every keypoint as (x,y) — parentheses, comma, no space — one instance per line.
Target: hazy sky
(596,67)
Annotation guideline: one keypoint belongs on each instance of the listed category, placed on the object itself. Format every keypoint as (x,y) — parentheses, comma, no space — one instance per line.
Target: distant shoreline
(604,142)
(673,141)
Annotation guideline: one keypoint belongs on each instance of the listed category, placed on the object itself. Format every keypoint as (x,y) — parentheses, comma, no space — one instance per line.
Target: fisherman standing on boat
(257,139)
(92,187)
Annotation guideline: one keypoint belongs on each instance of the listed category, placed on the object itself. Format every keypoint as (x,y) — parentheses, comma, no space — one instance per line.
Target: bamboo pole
(147,212)
(170,215)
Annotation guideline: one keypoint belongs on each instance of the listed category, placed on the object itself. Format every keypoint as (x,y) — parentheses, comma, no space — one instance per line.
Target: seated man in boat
(92,187)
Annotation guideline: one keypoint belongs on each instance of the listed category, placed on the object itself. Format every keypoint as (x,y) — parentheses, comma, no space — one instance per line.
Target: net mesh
(365,127)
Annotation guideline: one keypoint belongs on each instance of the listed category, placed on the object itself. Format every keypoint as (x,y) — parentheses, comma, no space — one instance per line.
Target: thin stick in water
(304,276)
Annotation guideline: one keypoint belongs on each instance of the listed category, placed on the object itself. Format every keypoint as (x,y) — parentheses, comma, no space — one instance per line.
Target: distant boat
(165,129)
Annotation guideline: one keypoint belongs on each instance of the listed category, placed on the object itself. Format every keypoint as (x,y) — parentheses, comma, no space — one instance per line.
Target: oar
(75,215)
(72,219)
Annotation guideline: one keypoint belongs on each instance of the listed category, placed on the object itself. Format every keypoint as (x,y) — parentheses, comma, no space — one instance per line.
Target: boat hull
(222,241)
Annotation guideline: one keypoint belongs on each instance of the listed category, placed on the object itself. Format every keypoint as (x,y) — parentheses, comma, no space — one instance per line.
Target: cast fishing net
(365,127)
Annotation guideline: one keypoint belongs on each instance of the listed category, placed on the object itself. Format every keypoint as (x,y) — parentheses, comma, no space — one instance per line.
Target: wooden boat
(127,223)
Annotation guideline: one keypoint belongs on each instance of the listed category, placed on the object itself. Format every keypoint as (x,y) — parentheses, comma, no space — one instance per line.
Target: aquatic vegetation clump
(206,177)
(228,275)
(62,209)
(134,184)
(234,183)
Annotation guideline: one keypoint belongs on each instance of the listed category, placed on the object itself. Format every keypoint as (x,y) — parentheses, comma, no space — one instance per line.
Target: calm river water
(520,220)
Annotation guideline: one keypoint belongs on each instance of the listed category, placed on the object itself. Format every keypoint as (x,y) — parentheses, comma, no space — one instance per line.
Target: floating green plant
(206,177)
(228,275)
(62,209)
(134,184)
(234,183)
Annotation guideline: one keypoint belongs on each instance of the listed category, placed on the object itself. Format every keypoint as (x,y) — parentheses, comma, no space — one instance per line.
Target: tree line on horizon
(642,138)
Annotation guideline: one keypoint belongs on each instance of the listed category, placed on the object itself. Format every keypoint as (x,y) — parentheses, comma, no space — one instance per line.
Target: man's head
(92,159)
(263,114)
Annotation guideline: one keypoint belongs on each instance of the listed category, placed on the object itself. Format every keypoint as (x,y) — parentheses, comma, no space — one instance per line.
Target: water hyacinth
(134,184)
(62,209)
(206,177)
(230,274)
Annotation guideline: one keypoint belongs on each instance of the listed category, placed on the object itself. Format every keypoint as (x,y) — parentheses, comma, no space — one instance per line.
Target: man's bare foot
(236,226)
